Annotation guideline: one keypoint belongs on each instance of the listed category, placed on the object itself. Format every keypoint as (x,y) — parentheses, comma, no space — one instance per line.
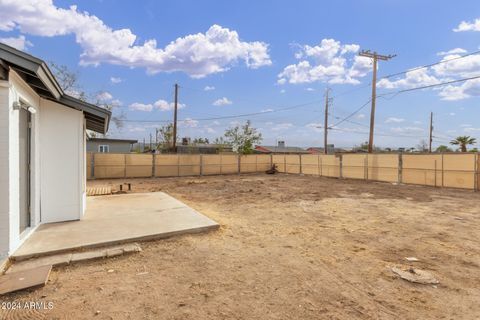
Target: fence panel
(189,165)
(459,170)
(264,162)
(88,161)
(292,163)
(354,166)
(211,164)
(229,164)
(422,169)
(383,167)
(166,165)
(453,170)
(310,164)
(109,165)
(279,160)
(329,165)
(138,165)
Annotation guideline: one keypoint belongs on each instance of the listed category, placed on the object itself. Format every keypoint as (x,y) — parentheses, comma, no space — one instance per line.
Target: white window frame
(104,148)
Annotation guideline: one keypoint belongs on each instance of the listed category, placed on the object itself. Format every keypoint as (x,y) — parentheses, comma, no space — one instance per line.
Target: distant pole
(150,142)
(325,129)
(156,139)
(143,144)
(174,144)
(431,133)
(375,56)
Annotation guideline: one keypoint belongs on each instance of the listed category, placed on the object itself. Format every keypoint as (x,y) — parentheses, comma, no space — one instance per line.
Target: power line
(430,86)
(429,65)
(352,114)
(231,116)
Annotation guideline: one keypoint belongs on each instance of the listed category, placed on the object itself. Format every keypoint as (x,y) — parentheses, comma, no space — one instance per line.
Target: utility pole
(325,126)
(375,56)
(156,139)
(174,144)
(431,132)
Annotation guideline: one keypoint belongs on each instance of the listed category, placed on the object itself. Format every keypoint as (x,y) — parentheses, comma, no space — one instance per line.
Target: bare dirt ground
(290,247)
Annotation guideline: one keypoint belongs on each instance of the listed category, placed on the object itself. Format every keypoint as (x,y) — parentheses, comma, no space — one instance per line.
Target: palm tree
(463,141)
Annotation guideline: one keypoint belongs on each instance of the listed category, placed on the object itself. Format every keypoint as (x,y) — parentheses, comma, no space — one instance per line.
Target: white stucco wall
(61,161)
(15,90)
(57,163)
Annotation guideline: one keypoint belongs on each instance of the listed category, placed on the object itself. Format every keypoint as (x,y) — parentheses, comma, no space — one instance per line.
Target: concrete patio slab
(115,219)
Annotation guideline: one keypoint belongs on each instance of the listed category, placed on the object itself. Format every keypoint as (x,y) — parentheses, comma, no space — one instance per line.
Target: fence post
(153,164)
(300,159)
(475,174)
(125,165)
(365,165)
(201,166)
(400,168)
(92,166)
(285,163)
(435,172)
(178,165)
(443,173)
(239,161)
(340,167)
(319,167)
(271,160)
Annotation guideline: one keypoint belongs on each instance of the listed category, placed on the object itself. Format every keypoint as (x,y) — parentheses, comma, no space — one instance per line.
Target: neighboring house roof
(112,140)
(276,149)
(38,76)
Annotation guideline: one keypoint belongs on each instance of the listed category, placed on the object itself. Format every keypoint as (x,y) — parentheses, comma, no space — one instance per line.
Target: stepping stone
(31,278)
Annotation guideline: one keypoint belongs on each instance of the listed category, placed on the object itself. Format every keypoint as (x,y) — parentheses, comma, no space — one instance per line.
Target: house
(317,150)
(110,145)
(42,148)
(279,148)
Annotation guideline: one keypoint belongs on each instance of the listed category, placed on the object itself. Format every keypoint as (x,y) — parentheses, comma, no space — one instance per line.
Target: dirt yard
(290,247)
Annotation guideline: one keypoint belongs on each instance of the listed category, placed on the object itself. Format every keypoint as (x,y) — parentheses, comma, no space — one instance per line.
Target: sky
(272,60)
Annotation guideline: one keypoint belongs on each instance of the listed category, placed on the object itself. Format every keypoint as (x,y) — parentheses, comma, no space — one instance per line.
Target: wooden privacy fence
(456,170)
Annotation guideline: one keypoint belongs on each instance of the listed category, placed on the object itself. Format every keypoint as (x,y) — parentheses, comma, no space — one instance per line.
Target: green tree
(463,142)
(200,141)
(242,138)
(443,148)
(165,137)
(70,84)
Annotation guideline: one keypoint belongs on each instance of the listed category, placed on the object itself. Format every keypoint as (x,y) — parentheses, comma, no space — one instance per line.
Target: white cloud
(266,110)
(104,96)
(282,91)
(330,61)
(449,70)
(189,123)
(209,88)
(453,51)
(309,89)
(361,116)
(165,106)
(452,114)
(470,129)
(198,55)
(20,43)
(115,80)
(222,102)
(141,106)
(412,79)
(468,26)
(465,90)
(407,130)
(465,125)
(394,120)
(281,126)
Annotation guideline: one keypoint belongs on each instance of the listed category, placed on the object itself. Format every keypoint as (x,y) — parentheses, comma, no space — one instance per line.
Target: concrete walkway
(117,219)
